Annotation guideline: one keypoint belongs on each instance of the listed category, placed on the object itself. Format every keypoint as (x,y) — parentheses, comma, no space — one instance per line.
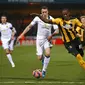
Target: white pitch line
(31,82)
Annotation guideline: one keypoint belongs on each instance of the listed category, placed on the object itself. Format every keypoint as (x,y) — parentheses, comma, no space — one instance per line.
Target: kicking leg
(46,61)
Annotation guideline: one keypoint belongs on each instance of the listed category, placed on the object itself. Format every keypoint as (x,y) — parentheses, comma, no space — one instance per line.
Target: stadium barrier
(32,41)
(0,43)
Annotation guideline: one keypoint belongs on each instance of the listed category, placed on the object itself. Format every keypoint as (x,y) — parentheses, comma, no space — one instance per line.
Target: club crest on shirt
(47,26)
(67,25)
(6,26)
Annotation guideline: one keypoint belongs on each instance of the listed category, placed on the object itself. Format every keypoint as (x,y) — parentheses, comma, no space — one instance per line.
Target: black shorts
(74,47)
(83,43)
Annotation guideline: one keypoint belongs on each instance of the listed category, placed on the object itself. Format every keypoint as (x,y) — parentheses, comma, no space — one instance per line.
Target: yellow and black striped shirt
(81,32)
(67,28)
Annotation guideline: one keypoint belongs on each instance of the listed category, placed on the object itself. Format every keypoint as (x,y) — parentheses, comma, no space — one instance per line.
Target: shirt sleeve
(34,21)
(55,26)
(78,29)
(56,20)
(10,26)
(14,30)
(78,23)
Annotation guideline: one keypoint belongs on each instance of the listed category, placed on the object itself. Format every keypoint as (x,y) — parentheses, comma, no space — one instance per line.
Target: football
(37,73)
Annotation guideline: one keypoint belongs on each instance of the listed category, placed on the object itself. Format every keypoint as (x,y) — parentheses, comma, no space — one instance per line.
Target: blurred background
(18,10)
(63,68)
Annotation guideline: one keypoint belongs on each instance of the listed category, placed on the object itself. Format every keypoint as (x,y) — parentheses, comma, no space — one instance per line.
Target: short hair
(82,17)
(44,7)
(65,9)
(4,16)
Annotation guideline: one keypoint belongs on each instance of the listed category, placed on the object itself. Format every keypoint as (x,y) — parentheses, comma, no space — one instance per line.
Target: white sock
(10,60)
(46,62)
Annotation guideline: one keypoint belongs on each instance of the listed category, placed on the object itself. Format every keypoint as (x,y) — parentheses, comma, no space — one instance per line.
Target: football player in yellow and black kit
(81,32)
(67,27)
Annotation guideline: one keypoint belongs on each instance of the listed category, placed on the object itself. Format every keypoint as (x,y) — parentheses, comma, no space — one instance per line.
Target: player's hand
(49,38)
(79,35)
(19,38)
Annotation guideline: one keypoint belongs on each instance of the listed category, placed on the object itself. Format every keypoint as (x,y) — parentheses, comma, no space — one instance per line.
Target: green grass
(63,68)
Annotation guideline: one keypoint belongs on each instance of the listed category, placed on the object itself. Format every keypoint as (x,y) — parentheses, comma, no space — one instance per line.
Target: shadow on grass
(32,79)
(40,79)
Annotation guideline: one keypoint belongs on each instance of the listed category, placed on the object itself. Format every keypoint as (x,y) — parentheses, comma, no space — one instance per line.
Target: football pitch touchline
(44,82)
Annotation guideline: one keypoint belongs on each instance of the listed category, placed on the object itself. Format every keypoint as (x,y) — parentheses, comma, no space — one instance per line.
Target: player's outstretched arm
(13,33)
(42,18)
(54,33)
(24,32)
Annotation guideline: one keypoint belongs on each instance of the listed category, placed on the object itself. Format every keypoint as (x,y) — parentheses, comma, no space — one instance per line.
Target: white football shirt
(5,30)
(44,29)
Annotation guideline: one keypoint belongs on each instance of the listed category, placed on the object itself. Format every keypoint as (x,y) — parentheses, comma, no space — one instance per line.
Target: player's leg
(39,50)
(80,49)
(46,61)
(80,55)
(83,44)
(46,58)
(9,56)
(80,60)
(71,47)
(11,46)
(6,48)
(83,47)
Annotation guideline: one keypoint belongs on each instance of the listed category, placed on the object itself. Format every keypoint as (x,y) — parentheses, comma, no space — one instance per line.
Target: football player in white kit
(43,33)
(7,34)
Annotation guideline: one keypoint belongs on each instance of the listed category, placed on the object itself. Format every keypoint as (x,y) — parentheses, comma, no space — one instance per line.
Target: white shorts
(41,45)
(11,44)
(5,43)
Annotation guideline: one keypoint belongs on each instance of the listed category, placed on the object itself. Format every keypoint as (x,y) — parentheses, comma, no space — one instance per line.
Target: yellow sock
(80,60)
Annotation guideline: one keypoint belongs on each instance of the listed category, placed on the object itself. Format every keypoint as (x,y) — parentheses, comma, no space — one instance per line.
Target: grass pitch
(63,68)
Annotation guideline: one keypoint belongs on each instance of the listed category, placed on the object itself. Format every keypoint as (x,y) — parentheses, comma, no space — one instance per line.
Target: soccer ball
(37,73)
